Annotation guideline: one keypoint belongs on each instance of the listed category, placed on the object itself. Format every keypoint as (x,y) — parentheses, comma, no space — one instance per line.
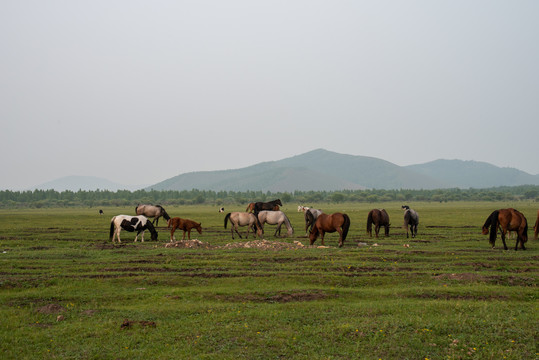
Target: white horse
(310,214)
(131,224)
(275,218)
(242,219)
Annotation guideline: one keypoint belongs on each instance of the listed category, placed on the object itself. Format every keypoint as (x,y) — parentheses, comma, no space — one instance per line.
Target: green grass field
(446,296)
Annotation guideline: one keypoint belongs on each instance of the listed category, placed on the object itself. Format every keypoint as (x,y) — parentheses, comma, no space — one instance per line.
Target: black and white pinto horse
(411,218)
(131,224)
(310,215)
(155,211)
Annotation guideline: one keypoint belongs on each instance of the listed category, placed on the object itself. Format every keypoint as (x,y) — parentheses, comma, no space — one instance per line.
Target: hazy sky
(141,91)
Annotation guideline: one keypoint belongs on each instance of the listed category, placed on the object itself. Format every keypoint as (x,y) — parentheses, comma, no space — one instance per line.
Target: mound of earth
(188,244)
(264,245)
(51,309)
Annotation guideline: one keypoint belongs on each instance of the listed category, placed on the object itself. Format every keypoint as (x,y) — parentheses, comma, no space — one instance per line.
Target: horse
(506,219)
(270,205)
(378,217)
(275,218)
(411,218)
(536,227)
(222,210)
(131,224)
(242,219)
(155,211)
(183,224)
(251,207)
(330,223)
(310,215)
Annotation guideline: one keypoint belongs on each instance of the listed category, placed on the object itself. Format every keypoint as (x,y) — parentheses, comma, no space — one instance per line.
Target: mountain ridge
(323,170)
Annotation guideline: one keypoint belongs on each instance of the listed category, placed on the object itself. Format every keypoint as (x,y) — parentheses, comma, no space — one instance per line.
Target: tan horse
(275,218)
(155,211)
(243,219)
(183,224)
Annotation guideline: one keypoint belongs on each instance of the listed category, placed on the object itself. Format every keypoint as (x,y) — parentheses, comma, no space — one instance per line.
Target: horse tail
(345,226)
(369,223)
(112,226)
(493,226)
(226,219)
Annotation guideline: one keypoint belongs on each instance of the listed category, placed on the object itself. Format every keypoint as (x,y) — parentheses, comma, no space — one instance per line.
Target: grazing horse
(378,217)
(183,224)
(243,219)
(330,223)
(251,207)
(155,211)
(310,215)
(536,227)
(507,219)
(270,205)
(131,224)
(411,218)
(275,218)
(222,210)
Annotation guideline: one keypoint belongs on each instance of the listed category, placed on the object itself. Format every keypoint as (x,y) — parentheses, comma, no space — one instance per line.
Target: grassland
(446,296)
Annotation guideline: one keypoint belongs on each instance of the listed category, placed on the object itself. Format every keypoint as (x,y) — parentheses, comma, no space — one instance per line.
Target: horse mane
(492,222)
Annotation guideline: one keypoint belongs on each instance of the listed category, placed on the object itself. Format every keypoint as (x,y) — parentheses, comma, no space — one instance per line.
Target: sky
(137,92)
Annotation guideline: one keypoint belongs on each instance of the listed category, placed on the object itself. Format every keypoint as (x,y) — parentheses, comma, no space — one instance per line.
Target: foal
(183,224)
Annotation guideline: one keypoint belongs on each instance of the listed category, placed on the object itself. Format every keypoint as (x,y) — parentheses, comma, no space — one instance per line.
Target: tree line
(53,198)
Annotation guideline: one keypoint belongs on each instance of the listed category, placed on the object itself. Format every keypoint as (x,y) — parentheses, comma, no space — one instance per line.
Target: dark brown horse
(270,205)
(536,227)
(251,207)
(183,224)
(330,223)
(378,217)
(507,220)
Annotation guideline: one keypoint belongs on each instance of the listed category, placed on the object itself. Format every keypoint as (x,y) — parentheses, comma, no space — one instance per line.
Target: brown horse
(183,224)
(330,223)
(507,219)
(536,227)
(270,205)
(378,217)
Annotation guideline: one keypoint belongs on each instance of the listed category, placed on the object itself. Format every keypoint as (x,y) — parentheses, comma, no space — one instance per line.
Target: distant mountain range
(322,170)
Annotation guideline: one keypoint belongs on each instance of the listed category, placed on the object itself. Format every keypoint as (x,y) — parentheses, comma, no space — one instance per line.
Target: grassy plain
(446,296)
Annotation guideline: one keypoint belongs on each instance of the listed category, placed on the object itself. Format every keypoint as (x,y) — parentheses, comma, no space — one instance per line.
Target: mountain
(315,170)
(76,183)
(474,174)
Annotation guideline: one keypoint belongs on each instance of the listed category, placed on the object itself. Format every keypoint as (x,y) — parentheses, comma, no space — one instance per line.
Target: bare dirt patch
(279,297)
(51,309)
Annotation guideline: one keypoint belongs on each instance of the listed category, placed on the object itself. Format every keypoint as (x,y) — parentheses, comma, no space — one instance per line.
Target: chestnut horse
(183,224)
(507,219)
(378,217)
(536,227)
(330,223)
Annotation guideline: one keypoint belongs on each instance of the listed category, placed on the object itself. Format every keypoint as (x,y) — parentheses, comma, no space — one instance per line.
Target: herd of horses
(317,223)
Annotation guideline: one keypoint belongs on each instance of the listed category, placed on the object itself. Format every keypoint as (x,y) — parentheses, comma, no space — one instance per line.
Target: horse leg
(503,239)
(376,230)
(322,233)
(189,234)
(236,228)
(172,238)
(340,236)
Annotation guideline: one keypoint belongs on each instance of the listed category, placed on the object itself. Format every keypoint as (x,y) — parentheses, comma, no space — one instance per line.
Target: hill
(316,170)
(474,174)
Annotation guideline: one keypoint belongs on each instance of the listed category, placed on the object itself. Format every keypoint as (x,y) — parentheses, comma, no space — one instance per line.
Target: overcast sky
(140,91)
